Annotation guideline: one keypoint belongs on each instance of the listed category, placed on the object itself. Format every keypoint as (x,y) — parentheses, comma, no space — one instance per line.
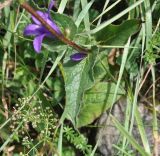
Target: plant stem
(29,9)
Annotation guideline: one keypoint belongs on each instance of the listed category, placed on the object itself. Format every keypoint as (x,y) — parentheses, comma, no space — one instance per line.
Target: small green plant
(78,140)
(34,117)
(153,52)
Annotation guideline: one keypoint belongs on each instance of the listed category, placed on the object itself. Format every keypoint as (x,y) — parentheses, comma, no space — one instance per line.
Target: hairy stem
(29,9)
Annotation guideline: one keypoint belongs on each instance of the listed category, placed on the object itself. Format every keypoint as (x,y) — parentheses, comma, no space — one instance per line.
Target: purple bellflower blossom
(78,56)
(38,30)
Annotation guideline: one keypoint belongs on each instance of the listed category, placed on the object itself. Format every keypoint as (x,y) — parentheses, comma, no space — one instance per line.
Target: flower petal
(78,56)
(33,29)
(47,18)
(54,26)
(37,43)
(44,15)
(51,4)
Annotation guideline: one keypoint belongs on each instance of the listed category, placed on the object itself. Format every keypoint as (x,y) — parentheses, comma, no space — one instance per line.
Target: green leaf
(54,45)
(68,29)
(96,101)
(8,35)
(66,24)
(117,34)
(78,78)
(101,68)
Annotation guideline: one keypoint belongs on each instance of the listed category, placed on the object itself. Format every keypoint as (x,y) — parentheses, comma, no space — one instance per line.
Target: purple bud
(78,56)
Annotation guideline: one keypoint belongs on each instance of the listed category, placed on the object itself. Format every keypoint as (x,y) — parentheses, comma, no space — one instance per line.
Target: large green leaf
(97,100)
(78,78)
(117,34)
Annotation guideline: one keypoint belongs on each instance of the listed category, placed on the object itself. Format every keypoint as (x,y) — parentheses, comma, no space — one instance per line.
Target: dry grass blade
(5,3)
(5,107)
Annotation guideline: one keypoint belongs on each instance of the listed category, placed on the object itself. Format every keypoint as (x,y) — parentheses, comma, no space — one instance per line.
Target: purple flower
(78,56)
(38,30)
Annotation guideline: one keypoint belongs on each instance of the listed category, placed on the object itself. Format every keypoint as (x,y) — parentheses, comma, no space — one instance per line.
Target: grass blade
(101,26)
(129,137)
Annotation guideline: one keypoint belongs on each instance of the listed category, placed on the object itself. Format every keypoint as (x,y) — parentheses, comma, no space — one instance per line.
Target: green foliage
(130,138)
(66,24)
(78,140)
(31,111)
(96,101)
(152,53)
(78,78)
(42,91)
(57,87)
(117,35)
